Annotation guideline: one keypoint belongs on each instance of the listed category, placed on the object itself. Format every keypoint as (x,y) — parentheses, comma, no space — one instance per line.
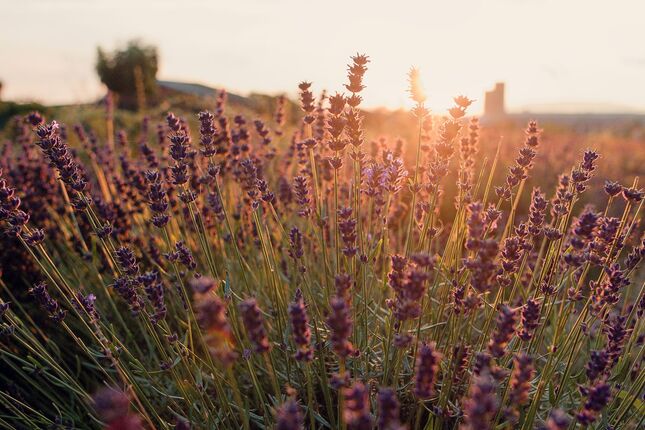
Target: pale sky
(557,52)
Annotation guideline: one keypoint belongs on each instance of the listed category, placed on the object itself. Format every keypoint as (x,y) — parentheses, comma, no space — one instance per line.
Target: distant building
(494,102)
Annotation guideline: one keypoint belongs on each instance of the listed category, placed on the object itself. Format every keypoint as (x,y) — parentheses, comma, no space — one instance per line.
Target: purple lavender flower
(512,252)
(10,211)
(288,416)
(157,198)
(126,289)
(506,320)
(307,102)
(483,363)
(537,212)
(633,195)
(86,304)
(552,233)
(389,410)
(179,150)
(340,326)
(529,319)
(295,240)
(356,412)
(355,74)
(279,116)
(524,162)
(300,327)
(520,381)
(598,396)
(220,102)
(426,370)
(608,292)
(394,173)
(557,420)
(586,224)
(482,266)
(154,289)
(588,159)
(581,174)
(613,188)
(482,403)
(597,364)
(347,228)
(402,340)
(211,315)
(34,118)
(285,193)
(59,155)
(202,284)
(249,180)
(635,256)
(127,261)
(397,275)
(302,191)
(254,323)
(343,284)
(184,255)
(475,223)
(603,240)
(409,286)
(111,404)
(336,123)
(207,133)
(563,196)
(46,302)
(461,354)
(34,237)
(372,179)
(617,334)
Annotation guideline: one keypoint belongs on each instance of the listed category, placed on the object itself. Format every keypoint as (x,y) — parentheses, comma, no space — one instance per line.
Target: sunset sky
(575,54)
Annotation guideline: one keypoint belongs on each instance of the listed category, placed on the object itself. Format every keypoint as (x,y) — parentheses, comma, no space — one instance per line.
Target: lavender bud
(520,382)
(300,327)
(254,323)
(46,302)
(597,398)
(557,420)
(426,370)
(529,319)
(126,289)
(289,417)
(482,404)
(356,411)
(154,289)
(613,188)
(340,327)
(506,320)
(389,410)
(202,284)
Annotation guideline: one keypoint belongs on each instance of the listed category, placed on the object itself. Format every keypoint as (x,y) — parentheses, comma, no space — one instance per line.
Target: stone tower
(494,101)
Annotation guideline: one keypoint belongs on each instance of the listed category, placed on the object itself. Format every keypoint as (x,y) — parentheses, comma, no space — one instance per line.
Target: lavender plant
(243,278)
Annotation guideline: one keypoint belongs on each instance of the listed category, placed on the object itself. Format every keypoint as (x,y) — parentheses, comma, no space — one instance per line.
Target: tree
(131,73)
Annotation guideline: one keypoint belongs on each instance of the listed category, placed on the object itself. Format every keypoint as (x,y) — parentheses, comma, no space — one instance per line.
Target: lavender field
(215,216)
(283,270)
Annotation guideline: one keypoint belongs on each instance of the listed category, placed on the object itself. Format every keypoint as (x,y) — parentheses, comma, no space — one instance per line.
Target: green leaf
(552,396)
(637,402)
